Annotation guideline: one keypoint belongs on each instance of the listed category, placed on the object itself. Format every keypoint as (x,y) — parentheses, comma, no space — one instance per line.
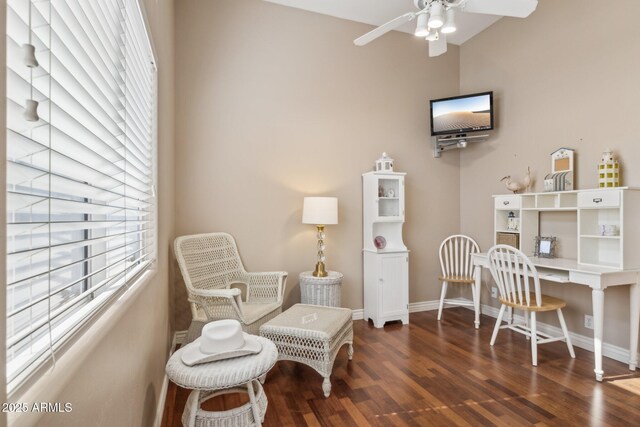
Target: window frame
(116,303)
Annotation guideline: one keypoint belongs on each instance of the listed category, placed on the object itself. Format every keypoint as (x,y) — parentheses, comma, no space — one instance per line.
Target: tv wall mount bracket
(449,142)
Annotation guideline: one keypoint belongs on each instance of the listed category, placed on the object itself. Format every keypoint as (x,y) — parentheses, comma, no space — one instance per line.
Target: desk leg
(477,289)
(634,314)
(597,296)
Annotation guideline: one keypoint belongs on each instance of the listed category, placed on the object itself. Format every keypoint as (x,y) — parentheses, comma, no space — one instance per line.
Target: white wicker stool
(236,375)
(312,335)
(321,290)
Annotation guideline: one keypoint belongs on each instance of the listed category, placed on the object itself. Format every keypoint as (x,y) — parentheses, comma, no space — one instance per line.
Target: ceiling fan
(436,19)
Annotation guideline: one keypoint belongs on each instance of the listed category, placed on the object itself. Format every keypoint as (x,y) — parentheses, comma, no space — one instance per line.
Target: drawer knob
(597,200)
(505,203)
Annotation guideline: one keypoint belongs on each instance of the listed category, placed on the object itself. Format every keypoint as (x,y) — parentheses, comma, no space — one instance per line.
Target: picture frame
(545,247)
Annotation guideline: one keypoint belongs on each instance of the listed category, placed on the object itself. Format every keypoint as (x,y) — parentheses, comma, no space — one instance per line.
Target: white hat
(222,339)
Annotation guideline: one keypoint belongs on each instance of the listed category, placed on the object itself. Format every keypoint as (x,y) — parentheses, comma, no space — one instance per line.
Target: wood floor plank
(441,373)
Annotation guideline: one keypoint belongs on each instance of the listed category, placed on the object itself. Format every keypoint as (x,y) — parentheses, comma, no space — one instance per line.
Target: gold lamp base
(320,271)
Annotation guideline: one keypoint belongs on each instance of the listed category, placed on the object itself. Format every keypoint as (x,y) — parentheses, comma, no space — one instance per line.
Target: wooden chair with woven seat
(211,266)
(512,270)
(457,269)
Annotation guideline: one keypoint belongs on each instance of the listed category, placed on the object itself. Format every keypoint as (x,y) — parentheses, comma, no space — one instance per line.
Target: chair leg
(526,320)
(565,331)
(442,295)
(498,323)
(476,306)
(534,339)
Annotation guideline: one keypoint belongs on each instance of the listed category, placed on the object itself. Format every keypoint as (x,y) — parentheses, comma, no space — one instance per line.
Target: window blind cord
(124,65)
(30,68)
(51,352)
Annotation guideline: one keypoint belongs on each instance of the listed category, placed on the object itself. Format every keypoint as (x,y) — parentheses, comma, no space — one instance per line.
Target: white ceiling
(377,12)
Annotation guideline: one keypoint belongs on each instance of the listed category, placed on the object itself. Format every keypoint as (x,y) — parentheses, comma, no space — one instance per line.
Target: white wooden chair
(511,270)
(210,265)
(457,269)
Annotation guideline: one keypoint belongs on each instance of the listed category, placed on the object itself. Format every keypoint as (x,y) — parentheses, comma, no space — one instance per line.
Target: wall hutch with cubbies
(386,258)
(607,234)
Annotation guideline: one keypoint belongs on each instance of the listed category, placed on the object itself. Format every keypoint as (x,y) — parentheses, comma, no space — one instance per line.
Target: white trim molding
(582,341)
(162,400)
(415,307)
(178,338)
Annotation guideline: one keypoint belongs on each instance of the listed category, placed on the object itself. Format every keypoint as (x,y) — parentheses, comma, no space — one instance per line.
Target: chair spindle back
(511,269)
(455,256)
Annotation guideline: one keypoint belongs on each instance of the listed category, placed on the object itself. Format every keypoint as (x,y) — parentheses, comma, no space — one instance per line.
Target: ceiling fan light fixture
(422,28)
(435,19)
(433,36)
(450,24)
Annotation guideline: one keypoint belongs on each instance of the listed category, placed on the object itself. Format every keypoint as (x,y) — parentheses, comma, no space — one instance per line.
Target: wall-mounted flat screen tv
(461,114)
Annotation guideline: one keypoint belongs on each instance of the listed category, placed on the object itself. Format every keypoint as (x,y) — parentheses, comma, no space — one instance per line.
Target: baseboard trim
(611,351)
(415,307)
(578,340)
(178,338)
(162,402)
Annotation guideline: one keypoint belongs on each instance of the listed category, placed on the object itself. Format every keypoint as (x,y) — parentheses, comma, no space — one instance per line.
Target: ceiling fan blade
(438,47)
(384,29)
(515,8)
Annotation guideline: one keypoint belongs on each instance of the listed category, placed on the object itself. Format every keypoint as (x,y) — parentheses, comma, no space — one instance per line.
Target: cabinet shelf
(573,208)
(606,264)
(591,213)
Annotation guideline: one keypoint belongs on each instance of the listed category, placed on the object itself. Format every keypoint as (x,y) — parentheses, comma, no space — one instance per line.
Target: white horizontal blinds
(79,179)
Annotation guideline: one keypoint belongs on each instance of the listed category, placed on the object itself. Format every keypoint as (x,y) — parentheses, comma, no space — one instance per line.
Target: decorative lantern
(608,170)
(384,164)
(513,222)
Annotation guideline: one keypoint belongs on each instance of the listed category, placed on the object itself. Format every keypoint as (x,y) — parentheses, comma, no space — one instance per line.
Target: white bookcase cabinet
(386,270)
(616,208)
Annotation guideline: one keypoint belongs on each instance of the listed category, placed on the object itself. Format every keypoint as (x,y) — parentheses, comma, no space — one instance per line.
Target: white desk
(598,279)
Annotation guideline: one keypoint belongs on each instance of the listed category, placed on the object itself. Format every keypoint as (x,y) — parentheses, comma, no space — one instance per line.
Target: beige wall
(274,104)
(567,76)
(114,375)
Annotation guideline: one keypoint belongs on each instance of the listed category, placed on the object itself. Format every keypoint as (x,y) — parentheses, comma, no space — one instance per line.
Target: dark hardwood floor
(442,373)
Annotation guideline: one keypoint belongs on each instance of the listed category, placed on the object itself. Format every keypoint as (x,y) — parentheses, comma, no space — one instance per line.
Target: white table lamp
(320,211)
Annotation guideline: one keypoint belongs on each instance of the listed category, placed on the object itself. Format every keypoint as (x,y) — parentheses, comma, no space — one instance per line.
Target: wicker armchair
(210,264)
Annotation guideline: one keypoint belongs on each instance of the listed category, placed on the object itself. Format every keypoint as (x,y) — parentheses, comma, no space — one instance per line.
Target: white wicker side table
(312,335)
(237,375)
(325,291)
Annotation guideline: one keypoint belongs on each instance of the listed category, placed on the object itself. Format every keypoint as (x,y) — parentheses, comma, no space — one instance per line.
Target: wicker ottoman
(236,375)
(312,335)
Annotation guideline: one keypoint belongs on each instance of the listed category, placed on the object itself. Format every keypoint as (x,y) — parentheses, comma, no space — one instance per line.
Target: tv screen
(460,114)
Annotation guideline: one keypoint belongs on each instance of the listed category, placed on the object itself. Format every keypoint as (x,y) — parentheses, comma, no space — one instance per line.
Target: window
(81,217)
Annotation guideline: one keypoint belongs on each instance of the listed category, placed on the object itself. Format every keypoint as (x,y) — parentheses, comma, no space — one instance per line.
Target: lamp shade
(320,210)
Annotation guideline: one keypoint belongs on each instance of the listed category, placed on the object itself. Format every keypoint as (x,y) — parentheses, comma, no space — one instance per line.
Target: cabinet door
(394,281)
(390,199)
